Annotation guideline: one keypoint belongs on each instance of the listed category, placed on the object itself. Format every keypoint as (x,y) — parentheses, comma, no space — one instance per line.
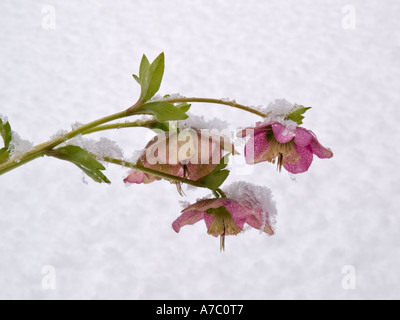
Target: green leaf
(4,155)
(160,126)
(136,78)
(297,114)
(150,76)
(83,160)
(223,163)
(164,111)
(144,68)
(216,178)
(156,72)
(6,134)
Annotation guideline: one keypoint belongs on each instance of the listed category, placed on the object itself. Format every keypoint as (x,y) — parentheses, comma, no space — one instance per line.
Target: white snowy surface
(109,242)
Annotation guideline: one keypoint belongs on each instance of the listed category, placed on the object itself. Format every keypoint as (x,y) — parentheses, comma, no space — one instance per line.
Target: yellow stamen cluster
(280,153)
(223,225)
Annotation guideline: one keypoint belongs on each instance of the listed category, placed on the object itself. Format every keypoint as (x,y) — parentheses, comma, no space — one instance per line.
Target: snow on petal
(255,222)
(205,204)
(282,134)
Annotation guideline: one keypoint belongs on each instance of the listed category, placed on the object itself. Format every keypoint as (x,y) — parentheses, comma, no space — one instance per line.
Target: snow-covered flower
(191,154)
(292,148)
(227,216)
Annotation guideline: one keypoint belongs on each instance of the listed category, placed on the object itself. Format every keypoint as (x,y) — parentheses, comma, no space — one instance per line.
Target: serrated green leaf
(214,180)
(83,160)
(297,114)
(164,111)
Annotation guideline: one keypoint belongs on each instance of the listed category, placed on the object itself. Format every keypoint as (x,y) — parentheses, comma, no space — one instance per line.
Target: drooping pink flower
(224,217)
(291,148)
(190,154)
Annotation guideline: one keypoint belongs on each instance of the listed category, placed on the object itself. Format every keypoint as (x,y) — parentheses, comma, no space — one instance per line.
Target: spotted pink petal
(319,150)
(303,164)
(238,212)
(303,137)
(282,134)
(187,218)
(256,147)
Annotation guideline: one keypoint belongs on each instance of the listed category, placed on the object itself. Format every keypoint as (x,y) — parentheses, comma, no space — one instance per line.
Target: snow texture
(111,242)
(277,112)
(159,97)
(102,148)
(254,197)
(199,122)
(4,119)
(19,146)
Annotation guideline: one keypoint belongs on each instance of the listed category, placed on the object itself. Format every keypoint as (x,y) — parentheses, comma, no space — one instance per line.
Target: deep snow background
(117,242)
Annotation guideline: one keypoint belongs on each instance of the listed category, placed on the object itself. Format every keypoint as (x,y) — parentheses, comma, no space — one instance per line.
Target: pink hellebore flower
(190,154)
(276,143)
(223,217)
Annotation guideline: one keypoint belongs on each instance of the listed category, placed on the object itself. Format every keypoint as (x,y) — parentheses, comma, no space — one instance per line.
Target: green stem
(217,101)
(153,172)
(162,175)
(42,149)
(95,126)
(143,124)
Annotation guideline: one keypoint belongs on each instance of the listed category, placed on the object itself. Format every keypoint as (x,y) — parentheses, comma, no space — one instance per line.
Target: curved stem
(217,101)
(42,149)
(151,124)
(97,125)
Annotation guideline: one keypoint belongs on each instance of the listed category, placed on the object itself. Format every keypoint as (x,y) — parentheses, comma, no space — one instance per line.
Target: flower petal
(135,177)
(250,131)
(187,218)
(303,137)
(138,177)
(304,162)
(203,205)
(255,221)
(319,150)
(238,212)
(256,147)
(198,171)
(282,134)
